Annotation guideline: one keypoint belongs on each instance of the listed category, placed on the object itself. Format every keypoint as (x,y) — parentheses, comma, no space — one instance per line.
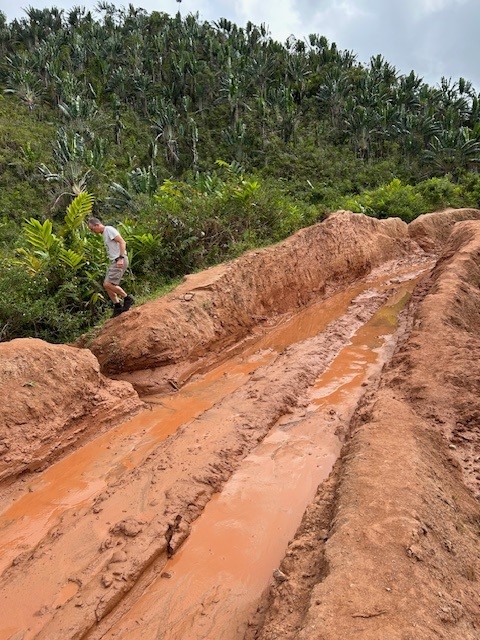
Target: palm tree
(453,152)
(23,82)
(332,95)
(168,128)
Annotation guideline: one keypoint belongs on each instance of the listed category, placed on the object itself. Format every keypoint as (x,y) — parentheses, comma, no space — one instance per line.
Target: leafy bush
(470,186)
(441,192)
(214,218)
(30,308)
(391,200)
(408,202)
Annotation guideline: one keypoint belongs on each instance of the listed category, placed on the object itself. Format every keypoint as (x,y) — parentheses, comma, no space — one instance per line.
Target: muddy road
(303,460)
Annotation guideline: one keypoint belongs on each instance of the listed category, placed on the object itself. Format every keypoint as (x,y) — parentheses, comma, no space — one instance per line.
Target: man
(117,252)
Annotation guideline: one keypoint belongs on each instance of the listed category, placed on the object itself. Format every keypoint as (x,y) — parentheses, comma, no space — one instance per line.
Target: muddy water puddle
(212,583)
(71,485)
(211,587)
(75,480)
(341,382)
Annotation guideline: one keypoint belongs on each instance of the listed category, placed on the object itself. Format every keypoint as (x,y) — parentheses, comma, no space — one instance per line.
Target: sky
(435,38)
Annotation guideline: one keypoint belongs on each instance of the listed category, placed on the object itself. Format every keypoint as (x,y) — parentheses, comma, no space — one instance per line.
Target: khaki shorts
(114,273)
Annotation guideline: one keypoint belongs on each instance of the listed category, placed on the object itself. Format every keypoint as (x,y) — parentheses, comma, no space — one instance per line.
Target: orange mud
(314,476)
(211,586)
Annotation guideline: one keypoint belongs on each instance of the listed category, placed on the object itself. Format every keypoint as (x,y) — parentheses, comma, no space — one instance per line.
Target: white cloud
(283,21)
(426,7)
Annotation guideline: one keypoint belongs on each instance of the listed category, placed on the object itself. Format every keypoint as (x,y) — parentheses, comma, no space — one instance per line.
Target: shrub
(438,193)
(215,217)
(470,186)
(391,200)
(29,307)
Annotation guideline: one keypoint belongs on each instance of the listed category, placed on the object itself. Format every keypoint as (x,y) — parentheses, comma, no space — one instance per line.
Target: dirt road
(305,463)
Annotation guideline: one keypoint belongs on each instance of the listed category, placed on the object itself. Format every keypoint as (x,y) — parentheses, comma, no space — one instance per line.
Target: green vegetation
(199,141)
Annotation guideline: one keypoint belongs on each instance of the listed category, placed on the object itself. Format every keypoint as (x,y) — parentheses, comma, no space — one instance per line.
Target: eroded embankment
(432,230)
(52,398)
(389,548)
(167,339)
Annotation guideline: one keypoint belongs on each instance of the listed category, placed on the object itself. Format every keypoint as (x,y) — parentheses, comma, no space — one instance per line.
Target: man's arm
(123,247)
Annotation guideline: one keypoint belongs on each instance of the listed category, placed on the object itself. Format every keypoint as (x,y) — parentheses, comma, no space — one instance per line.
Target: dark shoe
(127,303)
(117,309)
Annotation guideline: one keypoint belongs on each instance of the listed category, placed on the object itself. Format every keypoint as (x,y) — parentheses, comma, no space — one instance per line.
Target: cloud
(432,6)
(283,21)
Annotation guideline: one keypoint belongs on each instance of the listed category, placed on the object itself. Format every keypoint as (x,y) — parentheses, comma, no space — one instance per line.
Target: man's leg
(114,291)
(112,286)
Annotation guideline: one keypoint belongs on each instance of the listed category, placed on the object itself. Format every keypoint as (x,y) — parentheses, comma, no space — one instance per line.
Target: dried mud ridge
(389,546)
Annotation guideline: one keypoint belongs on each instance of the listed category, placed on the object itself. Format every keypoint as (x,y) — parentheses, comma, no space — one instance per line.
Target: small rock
(108,543)
(118,556)
(107,580)
(129,527)
(416,552)
(166,574)
(279,576)
(188,296)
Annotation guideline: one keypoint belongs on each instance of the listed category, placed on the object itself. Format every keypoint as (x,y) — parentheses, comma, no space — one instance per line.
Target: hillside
(200,140)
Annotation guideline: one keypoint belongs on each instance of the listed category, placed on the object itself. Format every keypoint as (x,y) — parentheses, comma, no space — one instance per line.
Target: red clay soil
(53,398)
(432,230)
(389,547)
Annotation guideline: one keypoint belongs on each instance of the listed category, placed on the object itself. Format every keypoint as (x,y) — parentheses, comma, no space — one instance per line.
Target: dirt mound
(389,548)
(213,310)
(432,230)
(53,397)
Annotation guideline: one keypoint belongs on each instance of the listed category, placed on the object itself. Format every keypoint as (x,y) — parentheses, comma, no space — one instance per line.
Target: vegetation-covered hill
(200,140)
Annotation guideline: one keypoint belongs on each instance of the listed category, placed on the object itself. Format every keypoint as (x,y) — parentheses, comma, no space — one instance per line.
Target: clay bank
(302,460)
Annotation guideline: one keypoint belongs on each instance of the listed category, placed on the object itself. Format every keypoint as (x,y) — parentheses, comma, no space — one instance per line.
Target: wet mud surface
(317,477)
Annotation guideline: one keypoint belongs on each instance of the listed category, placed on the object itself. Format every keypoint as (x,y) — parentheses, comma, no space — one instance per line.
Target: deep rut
(95,540)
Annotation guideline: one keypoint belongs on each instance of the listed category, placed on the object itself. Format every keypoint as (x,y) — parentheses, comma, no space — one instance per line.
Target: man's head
(95,225)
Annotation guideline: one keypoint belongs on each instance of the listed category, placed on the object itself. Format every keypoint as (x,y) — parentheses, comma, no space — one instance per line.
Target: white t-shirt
(113,248)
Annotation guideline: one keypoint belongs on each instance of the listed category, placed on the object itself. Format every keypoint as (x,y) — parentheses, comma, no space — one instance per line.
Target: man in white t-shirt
(117,253)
